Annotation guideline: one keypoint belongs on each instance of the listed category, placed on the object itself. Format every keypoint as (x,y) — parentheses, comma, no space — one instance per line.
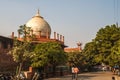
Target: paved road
(89,76)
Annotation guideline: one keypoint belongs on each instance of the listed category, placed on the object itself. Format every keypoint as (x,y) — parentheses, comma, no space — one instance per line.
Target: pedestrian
(76,70)
(73,73)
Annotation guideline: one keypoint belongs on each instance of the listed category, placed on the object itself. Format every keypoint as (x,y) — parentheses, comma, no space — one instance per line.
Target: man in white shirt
(73,73)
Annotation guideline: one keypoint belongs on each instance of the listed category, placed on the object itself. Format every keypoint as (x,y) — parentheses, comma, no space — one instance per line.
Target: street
(96,76)
(90,76)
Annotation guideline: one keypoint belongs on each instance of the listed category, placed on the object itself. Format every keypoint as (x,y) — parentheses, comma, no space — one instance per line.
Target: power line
(116,13)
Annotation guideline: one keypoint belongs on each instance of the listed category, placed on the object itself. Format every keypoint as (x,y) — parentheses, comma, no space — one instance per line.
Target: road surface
(90,76)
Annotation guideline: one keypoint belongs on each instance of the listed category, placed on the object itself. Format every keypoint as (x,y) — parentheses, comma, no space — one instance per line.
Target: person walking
(76,70)
(73,73)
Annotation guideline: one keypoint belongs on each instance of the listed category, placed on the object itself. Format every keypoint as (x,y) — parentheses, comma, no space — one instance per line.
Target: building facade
(76,49)
(41,30)
(6,61)
(42,33)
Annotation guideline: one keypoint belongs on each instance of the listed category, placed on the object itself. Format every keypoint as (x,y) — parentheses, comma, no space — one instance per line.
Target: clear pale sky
(77,20)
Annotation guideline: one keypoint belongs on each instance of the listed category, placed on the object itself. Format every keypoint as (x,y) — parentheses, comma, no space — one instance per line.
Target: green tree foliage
(75,58)
(24,30)
(90,51)
(115,54)
(40,55)
(48,53)
(105,47)
(21,50)
(21,53)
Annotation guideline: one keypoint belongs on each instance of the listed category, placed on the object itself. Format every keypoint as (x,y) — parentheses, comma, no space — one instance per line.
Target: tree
(24,31)
(21,49)
(49,53)
(90,51)
(115,54)
(21,53)
(106,39)
(104,46)
(76,59)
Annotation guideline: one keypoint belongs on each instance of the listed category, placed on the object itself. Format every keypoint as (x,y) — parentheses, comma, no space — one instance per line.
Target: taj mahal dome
(38,24)
(42,31)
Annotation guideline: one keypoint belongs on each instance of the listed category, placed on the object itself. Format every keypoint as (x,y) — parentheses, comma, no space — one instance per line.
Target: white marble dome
(38,24)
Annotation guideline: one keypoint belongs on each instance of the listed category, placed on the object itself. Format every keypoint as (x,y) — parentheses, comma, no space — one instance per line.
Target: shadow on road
(79,77)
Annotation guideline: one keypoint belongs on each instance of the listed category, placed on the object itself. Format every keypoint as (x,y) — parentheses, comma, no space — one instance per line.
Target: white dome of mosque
(38,24)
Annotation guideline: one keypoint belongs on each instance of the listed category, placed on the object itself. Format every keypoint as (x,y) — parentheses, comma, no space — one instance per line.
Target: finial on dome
(38,13)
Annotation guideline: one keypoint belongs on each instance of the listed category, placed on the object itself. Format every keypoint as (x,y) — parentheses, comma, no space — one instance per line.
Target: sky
(76,20)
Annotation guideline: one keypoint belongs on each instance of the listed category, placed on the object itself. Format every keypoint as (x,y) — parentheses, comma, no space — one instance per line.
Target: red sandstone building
(5,59)
(39,28)
(77,49)
(42,31)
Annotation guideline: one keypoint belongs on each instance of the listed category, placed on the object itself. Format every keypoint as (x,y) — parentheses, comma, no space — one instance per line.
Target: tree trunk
(54,70)
(19,71)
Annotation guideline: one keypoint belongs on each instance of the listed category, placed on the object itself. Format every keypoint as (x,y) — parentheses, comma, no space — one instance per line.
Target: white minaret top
(38,13)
